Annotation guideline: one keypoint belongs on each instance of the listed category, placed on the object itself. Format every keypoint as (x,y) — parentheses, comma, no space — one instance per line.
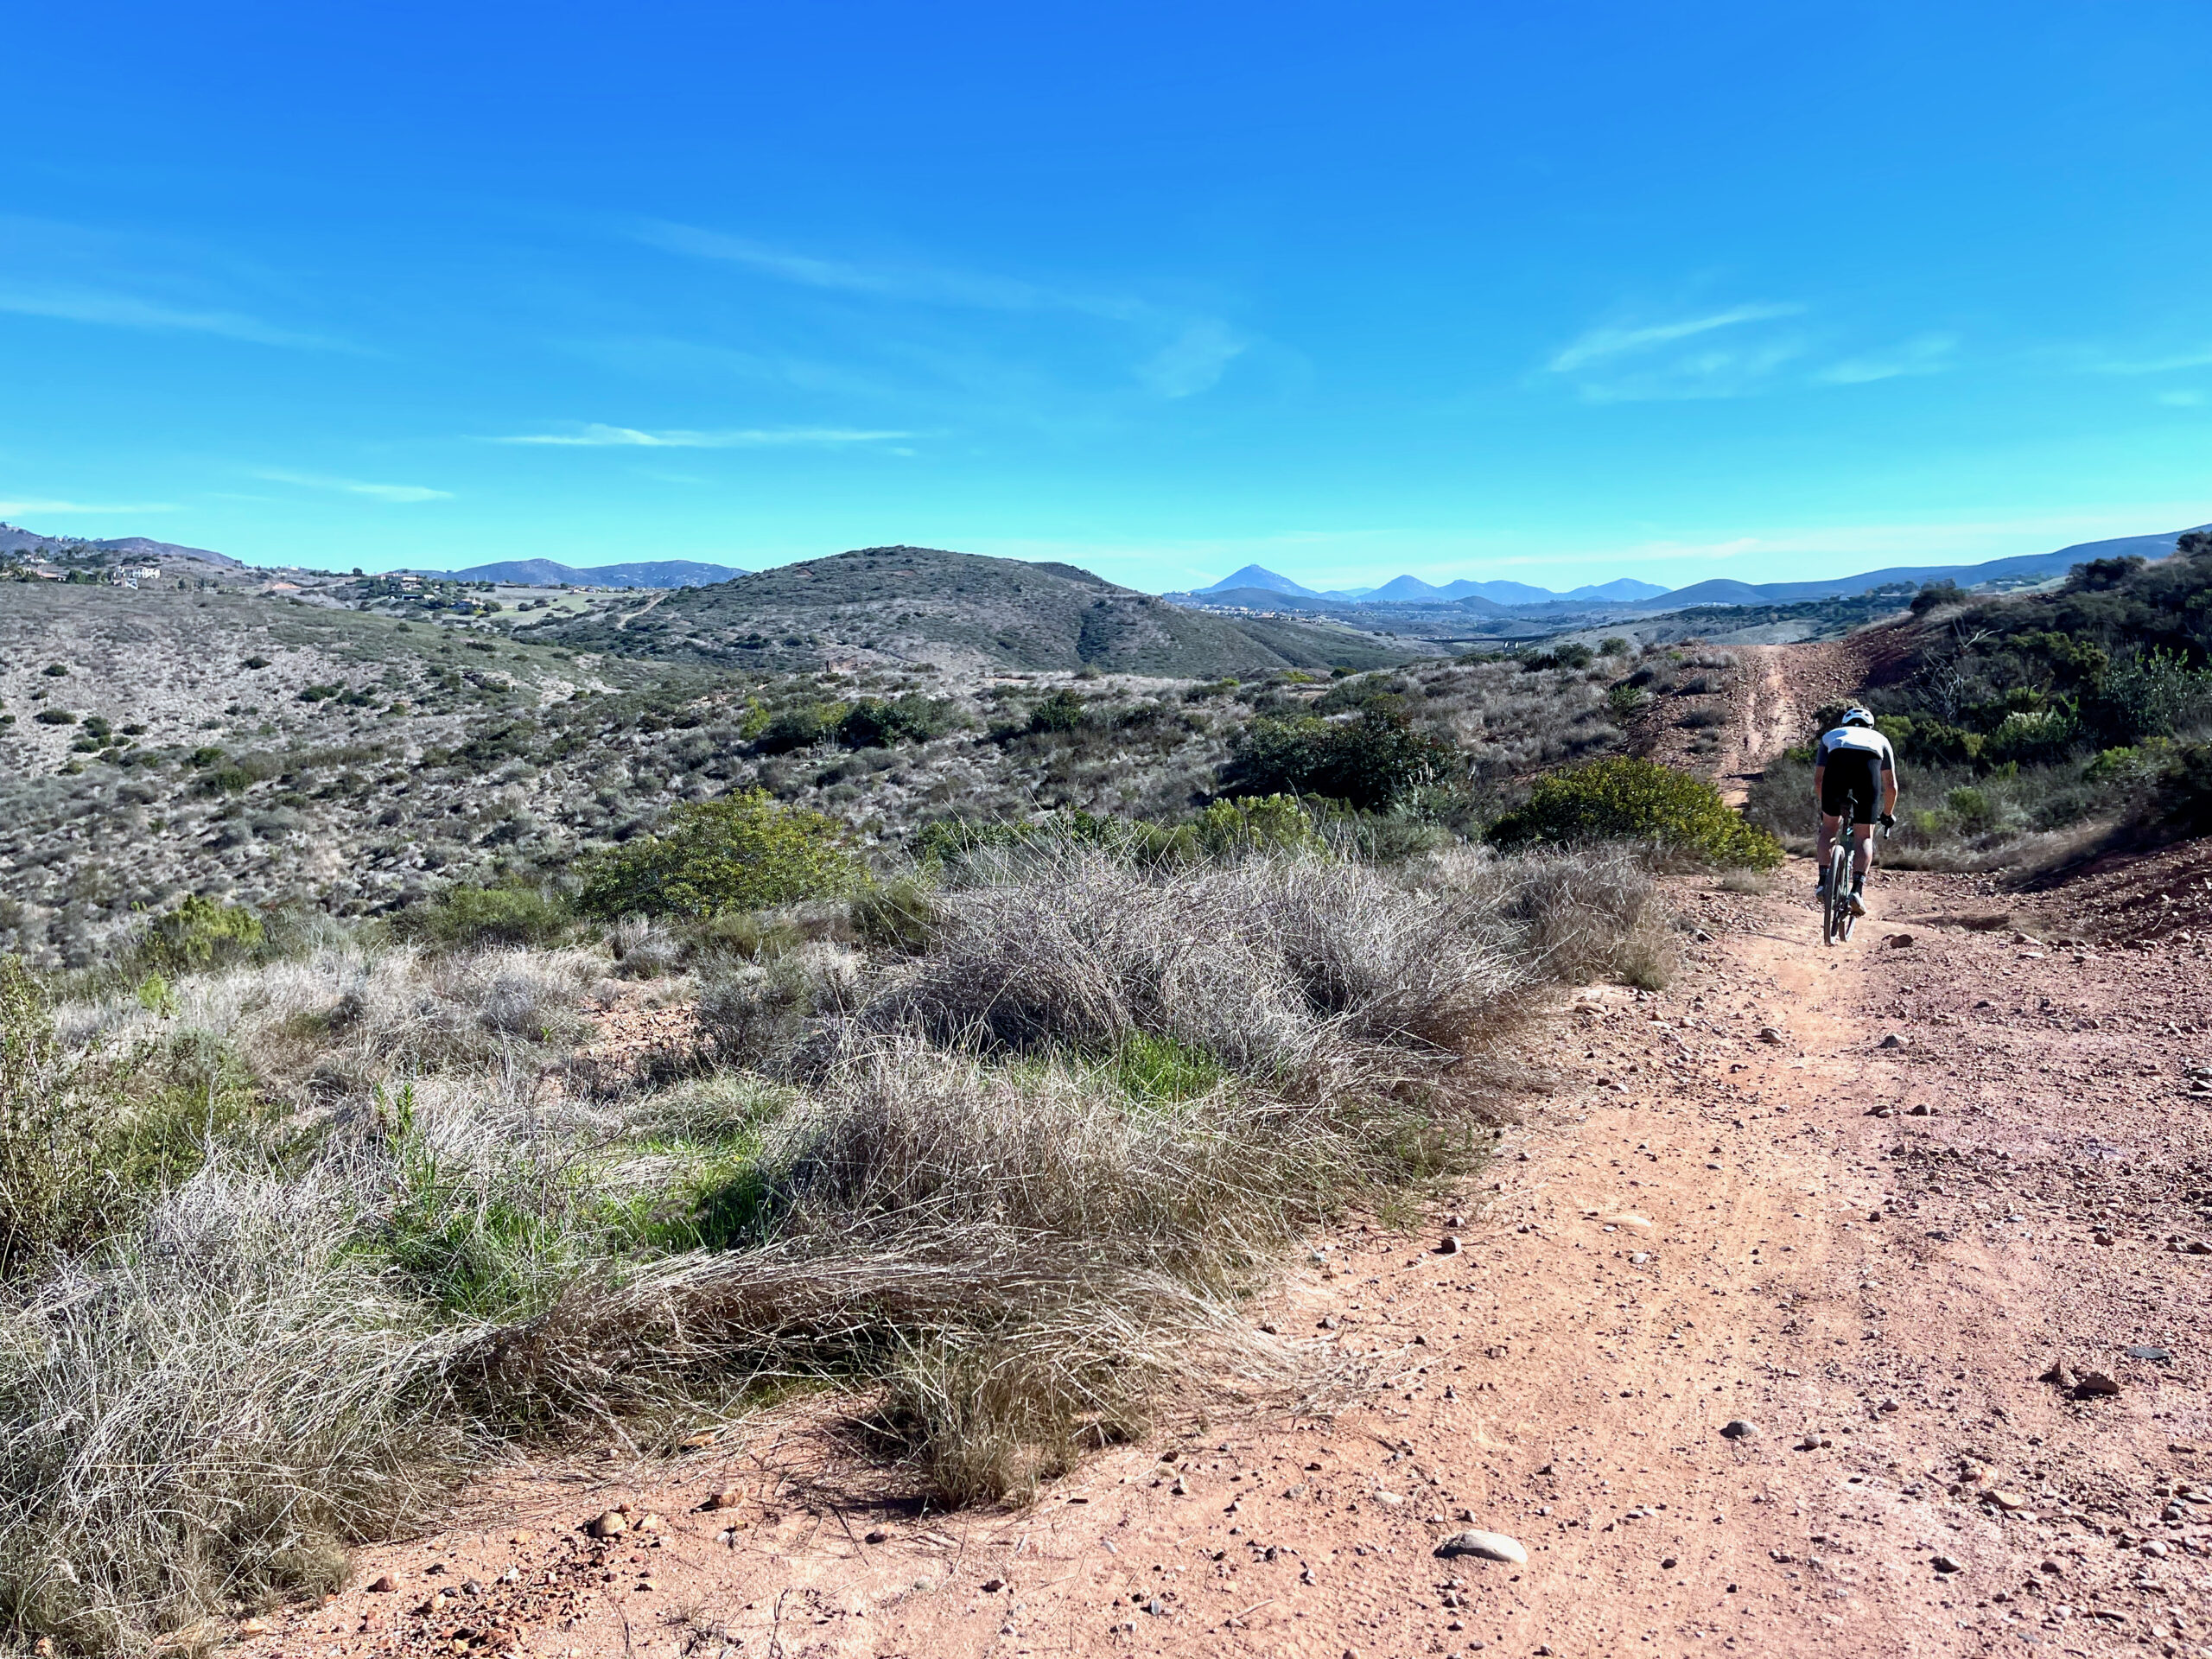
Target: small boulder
(1486,1545)
(2092,1385)
(1737,1429)
(385,1585)
(1947,1564)
(1448,1245)
(609,1525)
(1770,1036)
(1892,1041)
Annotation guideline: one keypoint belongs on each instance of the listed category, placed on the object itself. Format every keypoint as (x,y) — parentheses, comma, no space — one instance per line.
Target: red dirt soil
(1898,1261)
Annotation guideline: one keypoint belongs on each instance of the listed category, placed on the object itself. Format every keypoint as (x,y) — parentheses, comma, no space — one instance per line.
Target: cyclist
(1853,766)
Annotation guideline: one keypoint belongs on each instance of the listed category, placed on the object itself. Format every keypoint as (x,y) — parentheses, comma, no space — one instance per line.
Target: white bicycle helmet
(1855,715)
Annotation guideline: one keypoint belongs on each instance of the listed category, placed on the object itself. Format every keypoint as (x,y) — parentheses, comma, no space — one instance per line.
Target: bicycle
(1836,917)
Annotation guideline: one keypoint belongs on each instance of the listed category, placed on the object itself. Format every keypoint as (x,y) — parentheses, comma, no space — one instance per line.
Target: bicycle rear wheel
(1835,912)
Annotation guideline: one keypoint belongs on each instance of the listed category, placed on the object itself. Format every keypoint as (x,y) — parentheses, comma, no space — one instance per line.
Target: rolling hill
(2027,567)
(912,604)
(16,539)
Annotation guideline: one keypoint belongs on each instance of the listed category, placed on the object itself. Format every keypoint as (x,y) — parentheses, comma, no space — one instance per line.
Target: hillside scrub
(2032,727)
(1624,798)
(1008,1172)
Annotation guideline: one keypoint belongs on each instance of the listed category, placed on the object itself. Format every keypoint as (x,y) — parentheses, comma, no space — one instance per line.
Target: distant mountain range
(545,572)
(1257,588)
(15,539)
(1412,590)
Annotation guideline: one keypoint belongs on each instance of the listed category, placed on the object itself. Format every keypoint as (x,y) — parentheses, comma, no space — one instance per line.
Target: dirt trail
(1705,1221)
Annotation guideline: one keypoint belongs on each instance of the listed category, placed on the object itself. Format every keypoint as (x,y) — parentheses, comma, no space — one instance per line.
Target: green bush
(203,932)
(1256,823)
(54,717)
(1063,711)
(472,918)
(1374,763)
(800,727)
(1627,799)
(743,852)
(2153,693)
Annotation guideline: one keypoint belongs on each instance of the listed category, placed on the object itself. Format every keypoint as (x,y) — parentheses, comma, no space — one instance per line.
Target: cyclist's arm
(1890,789)
(1819,765)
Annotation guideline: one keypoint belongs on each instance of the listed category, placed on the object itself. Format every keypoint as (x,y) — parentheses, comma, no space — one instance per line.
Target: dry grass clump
(352,1013)
(204,1413)
(1006,1178)
(1273,967)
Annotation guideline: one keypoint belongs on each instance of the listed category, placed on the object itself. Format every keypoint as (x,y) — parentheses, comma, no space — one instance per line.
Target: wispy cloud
(397,492)
(596,435)
(1600,343)
(14,509)
(2182,399)
(1175,351)
(1735,352)
(129,311)
(2102,365)
(1192,362)
(1923,354)
(1708,355)
(928,284)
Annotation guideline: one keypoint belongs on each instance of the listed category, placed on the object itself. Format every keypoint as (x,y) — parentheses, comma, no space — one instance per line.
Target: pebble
(2094,1384)
(1947,1564)
(1737,1429)
(1449,1245)
(385,1585)
(727,1498)
(1488,1545)
(607,1525)
(1770,1036)
(1634,1222)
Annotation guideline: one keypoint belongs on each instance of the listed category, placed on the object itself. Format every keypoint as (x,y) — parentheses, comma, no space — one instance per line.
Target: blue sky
(1556,293)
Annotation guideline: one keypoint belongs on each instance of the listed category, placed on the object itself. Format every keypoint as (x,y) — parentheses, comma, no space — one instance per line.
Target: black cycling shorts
(1851,782)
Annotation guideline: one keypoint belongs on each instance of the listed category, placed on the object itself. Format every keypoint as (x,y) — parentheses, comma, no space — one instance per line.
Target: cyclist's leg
(1829,823)
(1863,861)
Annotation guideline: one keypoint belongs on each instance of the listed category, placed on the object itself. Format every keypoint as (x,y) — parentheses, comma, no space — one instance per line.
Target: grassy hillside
(889,606)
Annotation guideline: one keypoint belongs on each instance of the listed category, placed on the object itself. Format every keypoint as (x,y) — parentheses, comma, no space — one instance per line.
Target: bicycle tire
(1835,913)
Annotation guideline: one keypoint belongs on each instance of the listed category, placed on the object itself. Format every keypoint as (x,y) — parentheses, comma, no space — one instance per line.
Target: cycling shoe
(1858,904)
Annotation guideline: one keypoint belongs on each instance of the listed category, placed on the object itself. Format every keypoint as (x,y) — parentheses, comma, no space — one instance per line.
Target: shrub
(1375,762)
(471,918)
(743,852)
(800,727)
(2151,694)
(1063,711)
(1257,822)
(1934,594)
(874,723)
(1627,799)
(203,932)
(54,717)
